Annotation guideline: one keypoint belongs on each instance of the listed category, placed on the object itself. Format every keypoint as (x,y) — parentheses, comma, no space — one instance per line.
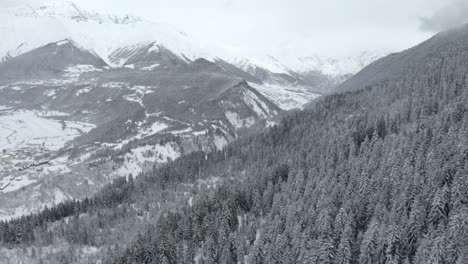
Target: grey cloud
(450,16)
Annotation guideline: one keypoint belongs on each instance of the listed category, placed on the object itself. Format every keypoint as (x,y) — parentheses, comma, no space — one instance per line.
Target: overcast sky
(300,26)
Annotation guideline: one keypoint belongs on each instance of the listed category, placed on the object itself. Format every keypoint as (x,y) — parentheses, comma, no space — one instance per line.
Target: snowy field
(22,128)
(136,160)
(284,97)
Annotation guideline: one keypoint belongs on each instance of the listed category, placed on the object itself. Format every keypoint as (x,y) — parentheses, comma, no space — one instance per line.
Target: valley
(126,141)
(77,114)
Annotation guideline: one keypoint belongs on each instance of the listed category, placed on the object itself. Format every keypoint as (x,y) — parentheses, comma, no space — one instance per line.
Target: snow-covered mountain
(30,24)
(113,95)
(156,107)
(334,66)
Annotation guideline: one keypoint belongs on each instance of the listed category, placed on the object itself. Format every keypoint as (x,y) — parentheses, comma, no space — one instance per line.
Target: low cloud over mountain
(452,15)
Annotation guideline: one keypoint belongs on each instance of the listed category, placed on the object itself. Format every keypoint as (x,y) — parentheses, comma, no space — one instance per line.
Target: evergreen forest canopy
(374,174)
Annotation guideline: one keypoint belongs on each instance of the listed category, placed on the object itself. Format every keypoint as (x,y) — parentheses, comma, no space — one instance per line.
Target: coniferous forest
(375,173)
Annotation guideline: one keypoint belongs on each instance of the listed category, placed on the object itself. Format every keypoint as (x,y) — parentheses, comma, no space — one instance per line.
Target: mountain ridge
(105,35)
(374,174)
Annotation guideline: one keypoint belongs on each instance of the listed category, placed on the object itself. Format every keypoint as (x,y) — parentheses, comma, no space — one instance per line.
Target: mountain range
(373,173)
(88,97)
(105,35)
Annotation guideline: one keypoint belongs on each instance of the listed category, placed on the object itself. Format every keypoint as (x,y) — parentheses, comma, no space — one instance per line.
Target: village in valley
(18,165)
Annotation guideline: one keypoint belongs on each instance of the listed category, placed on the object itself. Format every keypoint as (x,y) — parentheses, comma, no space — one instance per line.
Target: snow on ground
(220,142)
(59,168)
(336,65)
(156,127)
(238,122)
(183,131)
(259,107)
(270,124)
(150,68)
(114,85)
(285,97)
(79,126)
(20,211)
(22,128)
(50,93)
(83,90)
(200,133)
(59,196)
(11,184)
(146,155)
(139,93)
(16,88)
(74,72)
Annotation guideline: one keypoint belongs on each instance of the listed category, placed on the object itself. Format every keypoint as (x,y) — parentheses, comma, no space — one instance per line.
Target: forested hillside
(374,175)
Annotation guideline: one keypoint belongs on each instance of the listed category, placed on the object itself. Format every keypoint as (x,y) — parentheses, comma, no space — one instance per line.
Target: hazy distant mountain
(397,65)
(33,24)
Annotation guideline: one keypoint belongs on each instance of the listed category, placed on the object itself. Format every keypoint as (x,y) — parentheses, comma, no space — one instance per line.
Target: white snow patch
(11,184)
(147,155)
(154,48)
(20,211)
(238,122)
(62,42)
(74,72)
(270,124)
(21,128)
(59,196)
(83,90)
(183,131)
(114,85)
(200,133)
(286,98)
(50,93)
(156,127)
(151,67)
(220,142)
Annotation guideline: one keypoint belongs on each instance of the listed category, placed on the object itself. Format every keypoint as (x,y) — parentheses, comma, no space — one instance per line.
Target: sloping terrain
(86,98)
(373,175)
(396,65)
(32,24)
(106,122)
(48,61)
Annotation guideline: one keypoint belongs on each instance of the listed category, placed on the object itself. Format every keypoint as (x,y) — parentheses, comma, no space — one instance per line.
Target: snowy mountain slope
(286,98)
(333,66)
(296,90)
(145,56)
(150,93)
(139,118)
(398,65)
(23,127)
(35,23)
(48,61)
(30,24)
